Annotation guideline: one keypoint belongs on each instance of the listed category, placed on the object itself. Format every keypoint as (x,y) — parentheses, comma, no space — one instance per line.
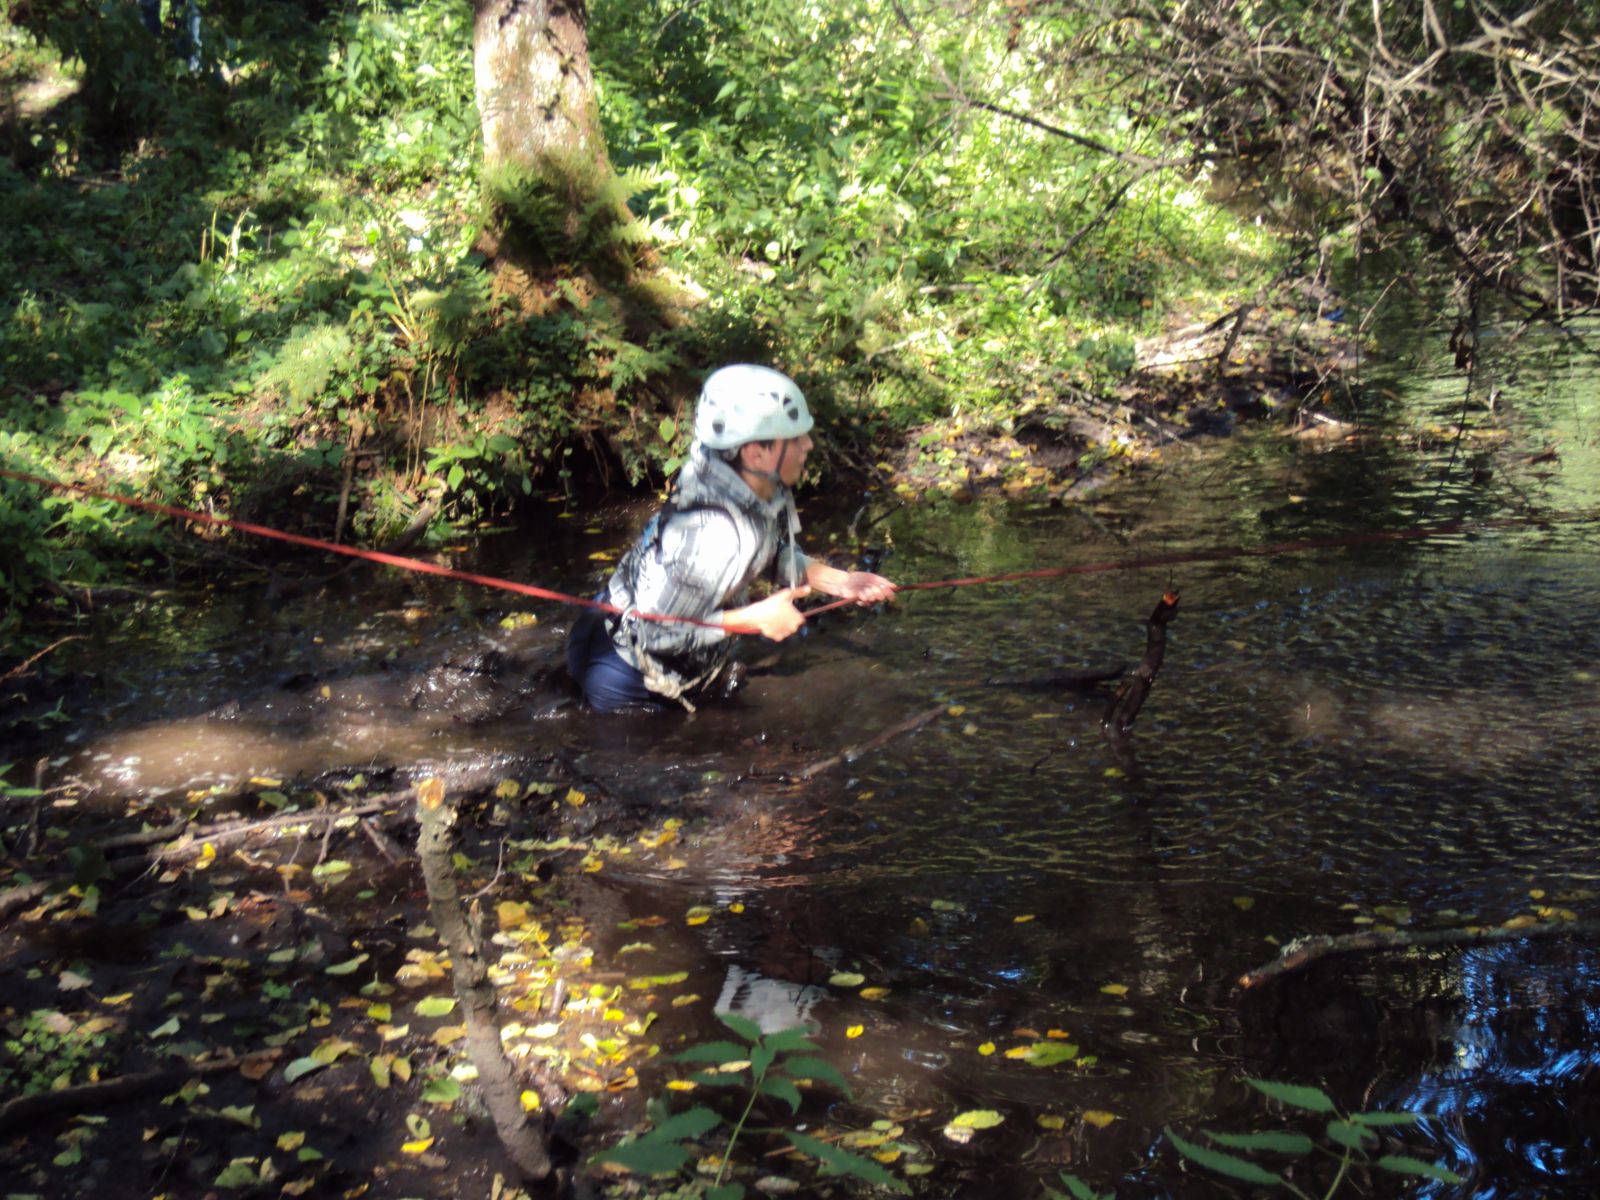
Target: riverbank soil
(1199,377)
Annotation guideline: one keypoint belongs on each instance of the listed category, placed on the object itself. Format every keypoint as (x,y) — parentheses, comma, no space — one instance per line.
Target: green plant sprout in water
(770,1065)
(1348,1140)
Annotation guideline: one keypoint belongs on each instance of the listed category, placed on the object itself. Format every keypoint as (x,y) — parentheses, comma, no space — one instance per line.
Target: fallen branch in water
(526,1143)
(23,1110)
(851,753)
(22,667)
(21,896)
(1070,681)
(218,836)
(1130,695)
(1303,952)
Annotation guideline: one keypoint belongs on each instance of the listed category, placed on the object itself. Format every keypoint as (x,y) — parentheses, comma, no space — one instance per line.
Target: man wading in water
(731,513)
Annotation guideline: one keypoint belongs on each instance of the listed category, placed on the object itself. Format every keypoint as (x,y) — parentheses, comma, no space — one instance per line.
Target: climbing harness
(1138,563)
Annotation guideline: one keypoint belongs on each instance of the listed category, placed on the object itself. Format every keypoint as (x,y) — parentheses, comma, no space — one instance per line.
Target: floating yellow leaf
(1115,989)
(1536,893)
(874,993)
(1061,1034)
(420,1146)
(955,710)
(986,1049)
(1098,1118)
(1050,1121)
(511,915)
(685,1001)
(576,798)
(530,1100)
(681,1085)
(846,979)
(1020,1052)
(291,1141)
(855,1031)
(886,1156)
(735,908)
(1521,922)
(698,915)
(507,789)
(447,1034)
(430,794)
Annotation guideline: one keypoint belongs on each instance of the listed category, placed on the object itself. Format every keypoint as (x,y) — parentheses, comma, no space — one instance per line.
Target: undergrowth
(274,283)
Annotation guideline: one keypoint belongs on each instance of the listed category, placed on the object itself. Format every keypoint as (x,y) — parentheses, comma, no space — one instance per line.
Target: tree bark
(535,87)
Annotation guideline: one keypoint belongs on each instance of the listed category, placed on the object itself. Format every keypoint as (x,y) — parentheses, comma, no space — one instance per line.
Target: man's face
(785,457)
(793,464)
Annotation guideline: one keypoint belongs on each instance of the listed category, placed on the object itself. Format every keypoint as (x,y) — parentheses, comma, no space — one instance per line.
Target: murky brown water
(1398,732)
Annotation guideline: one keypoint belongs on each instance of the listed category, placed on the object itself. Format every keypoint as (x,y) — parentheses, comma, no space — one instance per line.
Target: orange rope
(1214,554)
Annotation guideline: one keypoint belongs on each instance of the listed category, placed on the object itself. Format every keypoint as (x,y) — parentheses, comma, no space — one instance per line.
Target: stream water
(1394,733)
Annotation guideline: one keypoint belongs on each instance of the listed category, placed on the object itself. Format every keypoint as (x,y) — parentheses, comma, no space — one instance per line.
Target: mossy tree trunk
(535,87)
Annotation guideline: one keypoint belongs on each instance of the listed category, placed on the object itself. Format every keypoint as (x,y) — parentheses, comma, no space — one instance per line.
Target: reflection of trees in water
(1518,1100)
(1499,1046)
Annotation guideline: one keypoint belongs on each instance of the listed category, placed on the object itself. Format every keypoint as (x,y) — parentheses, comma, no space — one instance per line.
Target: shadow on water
(1391,734)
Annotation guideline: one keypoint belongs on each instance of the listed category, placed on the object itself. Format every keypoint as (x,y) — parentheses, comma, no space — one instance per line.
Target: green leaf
(668,429)
(1309,1098)
(761,1057)
(1222,1164)
(713,1052)
(1277,1142)
(691,1123)
(1403,1164)
(820,1069)
(1378,1120)
(783,1090)
(743,1026)
(347,967)
(1346,1134)
(1081,1190)
(789,1040)
(435,1006)
(442,1091)
(1048,1054)
(978,1118)
(302,1066)
(236,1174)
(846,1163)
(645,1155)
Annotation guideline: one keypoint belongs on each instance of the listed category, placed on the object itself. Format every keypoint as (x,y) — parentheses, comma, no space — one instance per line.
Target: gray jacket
(695,558)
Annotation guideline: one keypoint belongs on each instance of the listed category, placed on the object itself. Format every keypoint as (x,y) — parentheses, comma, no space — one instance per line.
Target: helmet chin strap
(773,476)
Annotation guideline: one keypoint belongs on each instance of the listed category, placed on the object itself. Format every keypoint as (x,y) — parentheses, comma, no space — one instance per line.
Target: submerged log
(1303,952)
(527,1144)
(1131,693)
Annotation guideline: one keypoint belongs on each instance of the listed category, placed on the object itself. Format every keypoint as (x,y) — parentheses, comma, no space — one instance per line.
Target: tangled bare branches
(1473,128)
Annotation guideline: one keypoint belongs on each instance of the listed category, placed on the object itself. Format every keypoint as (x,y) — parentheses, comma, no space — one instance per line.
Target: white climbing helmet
(746,403)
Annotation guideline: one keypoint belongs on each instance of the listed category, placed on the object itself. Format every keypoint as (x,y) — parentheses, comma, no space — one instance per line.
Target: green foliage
(45,1050)
(1347,1141)
(765,1066)
(223,281)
